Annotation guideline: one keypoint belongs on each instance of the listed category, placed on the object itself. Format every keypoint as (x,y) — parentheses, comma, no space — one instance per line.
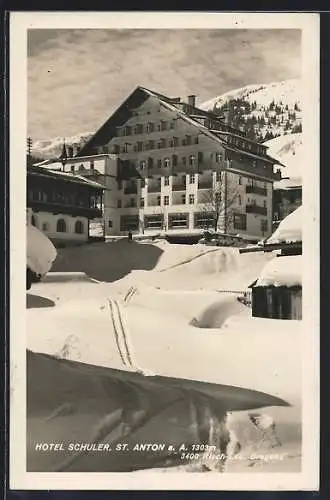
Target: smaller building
(277,293)
(61,205)
(287,197)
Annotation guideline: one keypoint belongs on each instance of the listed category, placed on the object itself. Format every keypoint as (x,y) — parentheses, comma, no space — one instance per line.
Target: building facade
(169,166)
(175,160)
(61,205)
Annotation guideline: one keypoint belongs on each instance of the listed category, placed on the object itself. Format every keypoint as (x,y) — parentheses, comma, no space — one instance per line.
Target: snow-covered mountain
(288,150)
(263,111)
(52,148)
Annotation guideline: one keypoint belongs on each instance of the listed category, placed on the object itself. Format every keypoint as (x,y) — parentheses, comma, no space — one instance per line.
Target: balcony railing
(65,208)
(256,190)
(130,190)
(256,209)
(179,187)
(205,184)
(154,188)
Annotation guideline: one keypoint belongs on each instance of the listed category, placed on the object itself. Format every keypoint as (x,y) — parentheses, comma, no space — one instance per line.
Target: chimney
(192,100)
(225,113)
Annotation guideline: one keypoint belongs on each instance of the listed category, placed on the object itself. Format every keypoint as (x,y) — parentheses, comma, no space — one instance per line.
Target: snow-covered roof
(282,271)
(40,251)
(289,230)
(288,183)
(68,175)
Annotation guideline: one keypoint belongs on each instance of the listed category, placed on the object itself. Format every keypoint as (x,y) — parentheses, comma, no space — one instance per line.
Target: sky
(77,78)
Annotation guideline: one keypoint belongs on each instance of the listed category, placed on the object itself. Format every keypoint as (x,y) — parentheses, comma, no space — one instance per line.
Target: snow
(288,91)
(289,230)
(282,271)
(288,149)
(50,148)
(150,307)
(41,253)
(288,183)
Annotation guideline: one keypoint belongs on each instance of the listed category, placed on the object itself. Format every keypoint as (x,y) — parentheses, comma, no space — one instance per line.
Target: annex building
(170,166)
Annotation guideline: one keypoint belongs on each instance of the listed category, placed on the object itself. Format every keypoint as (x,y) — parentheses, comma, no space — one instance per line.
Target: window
(191,199)
(158,200)
(150,162)
(166,181)
(151,144)
(265,185)
(188,140)
(265,204)
(61,226)
(240,222)
(192,179)
(132,202)
(150,128)
(184,160)
(178,221)
(239,199)
(196,139)
(92,165)
(143,183)
(218,157)
(240,180)
(72,169)
(166,200)
(174,160)
(203,220)
(128,130)
(183,199)
(109,224)
(118,203)
(143,164)
(192,159)
(129,222)
(163,125)
(254,163)
(159,163)
(120,185)
(79,227)
(166,162)
(154,221)
(175,142)
(142,202)
(264,226)
(139,146)
(172,124)
(163,143)
(200,157)
(218,176)
(45,226)
(116,149)
(138,128)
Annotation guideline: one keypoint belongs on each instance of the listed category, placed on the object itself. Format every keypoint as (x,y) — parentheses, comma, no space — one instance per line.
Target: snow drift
(40,251)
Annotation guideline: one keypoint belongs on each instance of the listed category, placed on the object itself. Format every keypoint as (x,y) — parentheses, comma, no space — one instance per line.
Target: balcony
(205,184)
(154,188)
(256,190)
(76,210)
(256,209)
(130,190)
(179,187)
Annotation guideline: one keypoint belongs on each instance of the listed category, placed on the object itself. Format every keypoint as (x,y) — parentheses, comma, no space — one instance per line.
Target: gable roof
(140,95)
(77,179)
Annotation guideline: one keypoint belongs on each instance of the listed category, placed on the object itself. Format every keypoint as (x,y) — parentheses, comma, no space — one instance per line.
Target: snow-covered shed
(277,292)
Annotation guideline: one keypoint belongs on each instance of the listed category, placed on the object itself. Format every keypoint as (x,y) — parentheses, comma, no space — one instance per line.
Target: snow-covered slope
(285,92)
(288,150)
(263,111)
(52,148)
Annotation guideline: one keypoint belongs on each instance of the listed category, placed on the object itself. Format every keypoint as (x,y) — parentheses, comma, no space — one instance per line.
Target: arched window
(33,221)
(79,227)
(61,226)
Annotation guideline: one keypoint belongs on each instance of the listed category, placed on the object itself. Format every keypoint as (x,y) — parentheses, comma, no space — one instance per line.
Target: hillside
(263,111)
